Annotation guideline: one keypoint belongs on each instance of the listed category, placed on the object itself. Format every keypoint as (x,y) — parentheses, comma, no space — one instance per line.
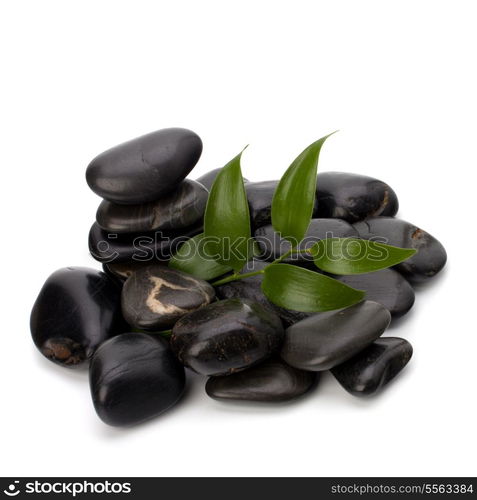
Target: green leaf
(356,256)
(294,198)
(227,218)
(193,257)
(303,290)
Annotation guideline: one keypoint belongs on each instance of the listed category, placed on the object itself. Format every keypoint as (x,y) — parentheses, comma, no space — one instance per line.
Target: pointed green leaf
(356,256)
(303,290)
(227,218)
(294,198)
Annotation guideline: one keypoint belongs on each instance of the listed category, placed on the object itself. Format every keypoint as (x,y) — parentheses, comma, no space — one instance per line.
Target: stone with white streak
(155,297)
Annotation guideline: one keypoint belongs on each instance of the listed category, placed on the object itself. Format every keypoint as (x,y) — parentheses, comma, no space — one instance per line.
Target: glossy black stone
(353,197)
(146,168)
(387,287)
(76,310)
(272,246)
(260,195)
(122,270)
(154,297)
(370,370)
(250,288)
(226,337)
(208,178)
(183,207)
(271,381)
(430,257)
(137,247)
(134,377)
(327,339)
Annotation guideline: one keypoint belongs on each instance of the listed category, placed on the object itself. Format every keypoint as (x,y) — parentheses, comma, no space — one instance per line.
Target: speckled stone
(250,288)
(272,246)
(353,197)
(370,370)
(155,297)
(76,310)
(271,381)
(208,178)
(328,339)
(430,257)
(146,168)
(387,287)
(226,337)
(109,247)
(183,207)
(134,377)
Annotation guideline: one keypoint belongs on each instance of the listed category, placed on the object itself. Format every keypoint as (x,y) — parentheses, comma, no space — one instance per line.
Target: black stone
(271,381)
(353,197)
(154,297)
(260,195)
(387,287)
(77,309)
(122,270)
(327,339)
(183,207)
(272,246)
(146,168)
(370,370)
(250,288)
(134,377)
(137,247)
(226,337)
(430,257)
(208,178)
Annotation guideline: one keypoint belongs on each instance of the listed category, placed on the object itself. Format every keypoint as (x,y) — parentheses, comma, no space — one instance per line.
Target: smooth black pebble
(250,288)
(208,178)
(387,287)
(146,168)
(272,245)
(271,381)
(370,370)
(430,257)
(76,310)
(134,377)
(327,339)
(154,297)
(226,337)
(144,246)
(353,197)
(183,207)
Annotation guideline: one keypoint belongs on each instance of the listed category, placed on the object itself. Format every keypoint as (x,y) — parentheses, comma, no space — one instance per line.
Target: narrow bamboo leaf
(356,256)
(294,198)
(303,290)
(194,257)
(227,218)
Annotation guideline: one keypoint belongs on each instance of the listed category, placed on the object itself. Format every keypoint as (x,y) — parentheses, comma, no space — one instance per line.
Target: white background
(397,78)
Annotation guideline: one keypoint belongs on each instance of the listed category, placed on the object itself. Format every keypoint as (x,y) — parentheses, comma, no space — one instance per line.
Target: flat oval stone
(260,195)
(371,369)
(76,310)
(137,247)
(271,381)
(134,377)
(387,287)
(327,339)
(183,207)
(250,288)
(226,337)
(155,297)
(430,257)
(272,246)
(353,197)
(146,168)
(208,178)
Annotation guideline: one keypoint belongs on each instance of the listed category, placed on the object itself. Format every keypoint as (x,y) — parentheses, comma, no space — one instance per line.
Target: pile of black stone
(249,348)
